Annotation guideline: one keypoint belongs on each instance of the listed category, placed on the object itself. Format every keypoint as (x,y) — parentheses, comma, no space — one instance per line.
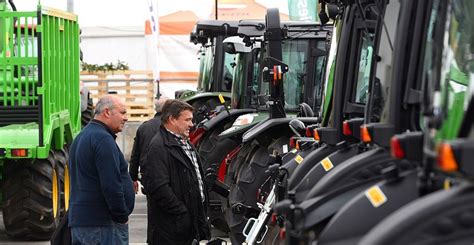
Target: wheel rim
(55,194)
(66,187)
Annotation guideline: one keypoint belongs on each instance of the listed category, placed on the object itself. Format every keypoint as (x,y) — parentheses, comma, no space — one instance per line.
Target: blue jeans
(103,235)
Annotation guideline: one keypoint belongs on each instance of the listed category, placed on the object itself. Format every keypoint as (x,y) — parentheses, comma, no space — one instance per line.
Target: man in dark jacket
(102,195)
(173,179)
(145,133)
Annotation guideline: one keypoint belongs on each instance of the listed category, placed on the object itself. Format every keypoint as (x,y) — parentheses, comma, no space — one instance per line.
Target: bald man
(102,195)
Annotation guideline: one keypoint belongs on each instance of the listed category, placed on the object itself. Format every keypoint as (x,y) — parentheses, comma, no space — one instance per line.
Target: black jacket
(176,212)
(145,133)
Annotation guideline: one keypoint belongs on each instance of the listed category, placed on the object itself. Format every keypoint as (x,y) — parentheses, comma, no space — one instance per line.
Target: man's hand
(135,186)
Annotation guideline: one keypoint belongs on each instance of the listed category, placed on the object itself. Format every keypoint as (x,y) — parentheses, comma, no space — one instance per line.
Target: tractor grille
(18,114)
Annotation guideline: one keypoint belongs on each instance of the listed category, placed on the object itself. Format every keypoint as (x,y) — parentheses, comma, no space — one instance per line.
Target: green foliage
(120,66)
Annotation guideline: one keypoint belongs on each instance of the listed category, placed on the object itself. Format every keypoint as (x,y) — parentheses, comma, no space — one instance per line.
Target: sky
(130,13)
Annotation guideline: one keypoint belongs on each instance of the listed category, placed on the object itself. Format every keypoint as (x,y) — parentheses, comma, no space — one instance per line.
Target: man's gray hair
(159,103)
(104,102)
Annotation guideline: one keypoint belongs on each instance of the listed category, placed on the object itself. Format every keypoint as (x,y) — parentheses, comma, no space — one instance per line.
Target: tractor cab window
(245,80)
(457,66)
(206,65)
(363,71)
(228,72)
(448,70)
(295,56)
(319,77)
(238,86)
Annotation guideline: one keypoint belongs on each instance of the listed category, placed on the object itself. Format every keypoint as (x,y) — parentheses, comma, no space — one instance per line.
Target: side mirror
(297,127)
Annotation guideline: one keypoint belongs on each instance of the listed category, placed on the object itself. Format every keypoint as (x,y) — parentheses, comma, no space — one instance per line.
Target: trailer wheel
(250,176)
(32,204)
(88,114)
(64,182)
(213,150)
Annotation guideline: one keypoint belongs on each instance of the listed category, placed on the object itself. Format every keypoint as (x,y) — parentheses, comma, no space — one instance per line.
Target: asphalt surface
(137,226)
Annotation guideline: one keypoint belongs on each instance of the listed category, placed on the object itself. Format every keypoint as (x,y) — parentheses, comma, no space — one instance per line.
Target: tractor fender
(352,221)
(225,116)
(343,183)
(366,165)
(442,213)
(276,124)
(319,209)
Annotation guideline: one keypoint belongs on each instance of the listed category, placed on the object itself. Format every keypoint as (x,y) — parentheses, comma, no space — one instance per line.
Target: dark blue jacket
(101,187)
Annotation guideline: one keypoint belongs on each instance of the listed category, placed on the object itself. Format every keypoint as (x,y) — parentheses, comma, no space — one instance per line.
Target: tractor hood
(243,123)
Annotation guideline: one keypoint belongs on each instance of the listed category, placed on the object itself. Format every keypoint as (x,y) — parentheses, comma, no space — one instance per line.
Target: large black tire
(213,150)
(88,114)
(250,176)
(231,180)
(31,209)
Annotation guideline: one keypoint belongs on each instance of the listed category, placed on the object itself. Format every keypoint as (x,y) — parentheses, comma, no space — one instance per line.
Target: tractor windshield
(206,80)
(206,62)
(456,70)
(228,72)
(363,73)
(245,84)
(295,55)
(318,87)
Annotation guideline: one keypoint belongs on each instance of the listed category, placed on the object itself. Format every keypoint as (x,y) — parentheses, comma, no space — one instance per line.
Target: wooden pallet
(137,88)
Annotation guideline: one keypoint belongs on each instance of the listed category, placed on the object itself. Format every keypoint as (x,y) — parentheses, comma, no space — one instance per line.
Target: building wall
(177,54)
(101,50)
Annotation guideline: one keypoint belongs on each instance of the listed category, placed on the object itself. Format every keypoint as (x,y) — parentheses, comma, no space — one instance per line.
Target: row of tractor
(354,130)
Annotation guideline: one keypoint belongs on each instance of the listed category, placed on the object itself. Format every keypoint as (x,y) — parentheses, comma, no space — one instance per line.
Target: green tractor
(303,46)
(215,67)
(40,114)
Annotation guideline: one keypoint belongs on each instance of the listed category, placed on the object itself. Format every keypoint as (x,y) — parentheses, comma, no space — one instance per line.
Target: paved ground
(137,226)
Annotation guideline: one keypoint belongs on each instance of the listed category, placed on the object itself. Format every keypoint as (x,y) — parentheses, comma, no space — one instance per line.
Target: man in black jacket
(173,179)
(145,133)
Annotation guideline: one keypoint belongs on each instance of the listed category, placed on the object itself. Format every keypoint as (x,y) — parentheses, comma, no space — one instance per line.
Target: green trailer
(40,115)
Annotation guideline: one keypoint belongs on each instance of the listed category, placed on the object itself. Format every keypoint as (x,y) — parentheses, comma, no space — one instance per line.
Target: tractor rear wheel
(32,204)
(213,150)
(236,224)
(250,176)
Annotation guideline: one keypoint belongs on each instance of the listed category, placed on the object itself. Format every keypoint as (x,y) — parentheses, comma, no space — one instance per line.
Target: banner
(303,10)
(152,32)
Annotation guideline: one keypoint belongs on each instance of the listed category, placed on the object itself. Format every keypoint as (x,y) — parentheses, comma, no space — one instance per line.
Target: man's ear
(171,120)
(107,112)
